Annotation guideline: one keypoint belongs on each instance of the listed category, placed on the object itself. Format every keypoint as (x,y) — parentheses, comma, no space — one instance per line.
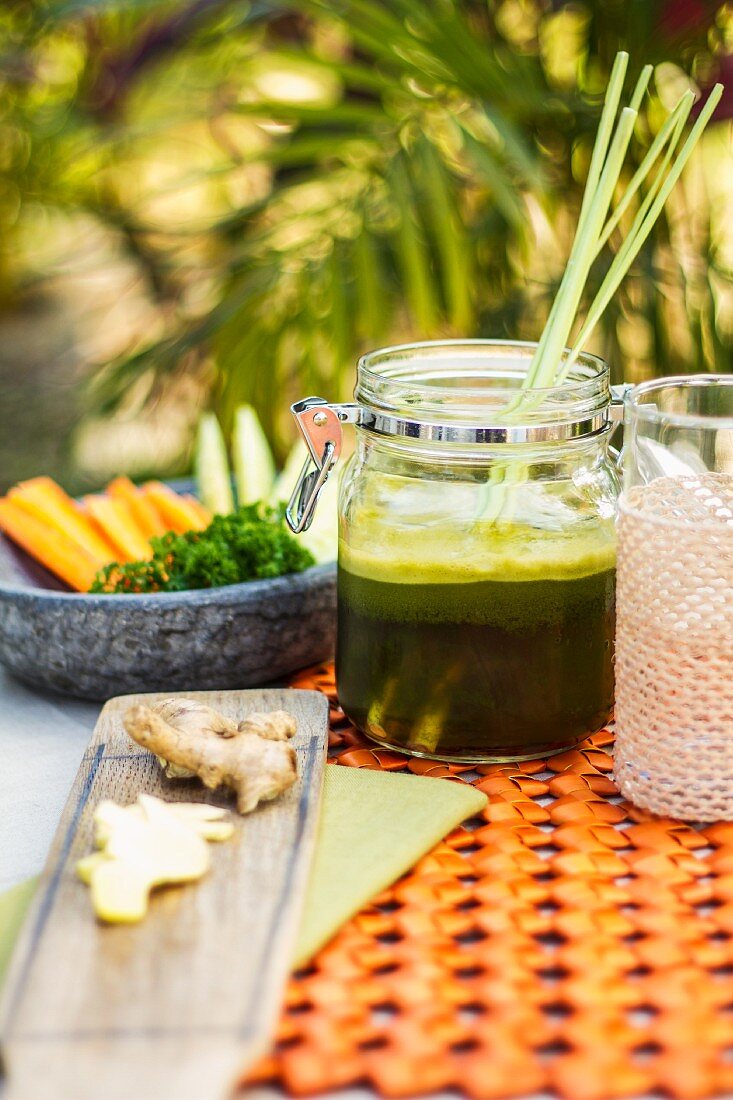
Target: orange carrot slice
(43,498)
(50,546)
(146,515)
(116,521)
(176,511)
(201,510)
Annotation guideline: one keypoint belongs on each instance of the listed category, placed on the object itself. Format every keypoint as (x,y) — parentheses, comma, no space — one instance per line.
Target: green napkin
(374,826)
(13,906)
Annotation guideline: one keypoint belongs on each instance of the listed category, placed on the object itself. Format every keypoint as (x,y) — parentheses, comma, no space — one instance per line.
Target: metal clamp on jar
(476,549)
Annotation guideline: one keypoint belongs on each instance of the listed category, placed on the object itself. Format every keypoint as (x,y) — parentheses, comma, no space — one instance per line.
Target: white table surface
(42,738)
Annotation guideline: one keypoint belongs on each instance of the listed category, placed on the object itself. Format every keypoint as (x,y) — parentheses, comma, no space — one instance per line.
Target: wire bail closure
(319,422)
(320,425)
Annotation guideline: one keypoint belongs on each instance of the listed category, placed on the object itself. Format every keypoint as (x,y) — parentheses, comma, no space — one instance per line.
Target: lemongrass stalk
(641,86)
(604,133)
(596,200)
(548,368)
(634,241)
(620,264)
(543,367)
(598,158)
(492,495)
(660,141)
(597,167)
(618,268)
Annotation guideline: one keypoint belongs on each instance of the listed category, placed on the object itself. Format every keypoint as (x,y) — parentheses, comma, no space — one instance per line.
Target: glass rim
(652,414)
(471,391)
(396,352)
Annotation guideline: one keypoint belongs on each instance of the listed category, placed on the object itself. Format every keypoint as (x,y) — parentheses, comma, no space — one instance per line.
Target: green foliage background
(297,182)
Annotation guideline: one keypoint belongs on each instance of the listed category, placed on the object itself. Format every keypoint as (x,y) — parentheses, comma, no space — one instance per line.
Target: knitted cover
(674,647)
(563,943)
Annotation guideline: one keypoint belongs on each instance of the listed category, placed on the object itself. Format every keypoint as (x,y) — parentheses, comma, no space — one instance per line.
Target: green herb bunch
(252,543)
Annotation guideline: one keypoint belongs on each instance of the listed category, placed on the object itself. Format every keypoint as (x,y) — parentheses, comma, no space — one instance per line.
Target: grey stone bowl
(95,646)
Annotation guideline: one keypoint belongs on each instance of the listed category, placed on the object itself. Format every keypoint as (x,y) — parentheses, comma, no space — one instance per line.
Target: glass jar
(476,550)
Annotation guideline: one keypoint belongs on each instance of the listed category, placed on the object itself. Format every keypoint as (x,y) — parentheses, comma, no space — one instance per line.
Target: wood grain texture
(181,1003)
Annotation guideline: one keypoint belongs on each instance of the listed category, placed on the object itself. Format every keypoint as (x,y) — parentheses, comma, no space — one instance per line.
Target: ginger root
(253,758)
(189,714)
(145,845)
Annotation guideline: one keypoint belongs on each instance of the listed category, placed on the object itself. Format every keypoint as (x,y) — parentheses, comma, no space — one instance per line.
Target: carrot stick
(175,511)
(200,509)
(51,547)
(147,516)
(43,498)
(115,519)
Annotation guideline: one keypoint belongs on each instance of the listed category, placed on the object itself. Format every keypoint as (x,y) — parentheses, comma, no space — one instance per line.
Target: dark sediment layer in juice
(493,667)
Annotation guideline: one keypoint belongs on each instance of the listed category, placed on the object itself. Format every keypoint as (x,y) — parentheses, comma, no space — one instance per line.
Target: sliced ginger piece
(120,892)
(206,820)
(215,831)
(147,844)
(158,843)
(87,865)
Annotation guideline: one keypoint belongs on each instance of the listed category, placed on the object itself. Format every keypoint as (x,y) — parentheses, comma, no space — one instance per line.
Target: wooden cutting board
(180,1004)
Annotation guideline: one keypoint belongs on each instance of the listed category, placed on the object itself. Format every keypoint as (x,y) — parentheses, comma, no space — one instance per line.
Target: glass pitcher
(476,550)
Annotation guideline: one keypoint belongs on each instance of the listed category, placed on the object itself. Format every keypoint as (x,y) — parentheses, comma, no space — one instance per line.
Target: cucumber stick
(254,466)
(322,537)
(213,476)
(282,490)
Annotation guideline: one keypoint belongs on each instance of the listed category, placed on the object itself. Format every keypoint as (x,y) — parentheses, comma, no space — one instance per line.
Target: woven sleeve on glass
(674,647)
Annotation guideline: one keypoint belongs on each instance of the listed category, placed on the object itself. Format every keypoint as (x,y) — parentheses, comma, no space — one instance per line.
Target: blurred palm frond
(371,172)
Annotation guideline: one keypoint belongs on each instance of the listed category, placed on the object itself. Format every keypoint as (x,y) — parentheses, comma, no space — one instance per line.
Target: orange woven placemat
(564,943)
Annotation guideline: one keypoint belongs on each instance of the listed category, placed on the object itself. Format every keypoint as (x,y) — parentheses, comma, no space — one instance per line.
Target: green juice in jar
(499,647)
